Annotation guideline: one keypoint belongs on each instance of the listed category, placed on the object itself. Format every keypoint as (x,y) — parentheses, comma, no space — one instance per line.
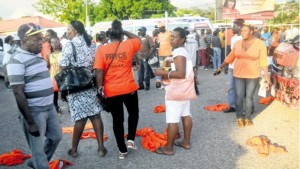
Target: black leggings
(116,104)
(55,99)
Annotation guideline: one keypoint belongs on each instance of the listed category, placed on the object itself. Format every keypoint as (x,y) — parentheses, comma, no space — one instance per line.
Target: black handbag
(100,94)
(73,79)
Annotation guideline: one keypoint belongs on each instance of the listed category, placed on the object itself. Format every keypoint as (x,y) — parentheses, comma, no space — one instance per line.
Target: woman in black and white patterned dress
(83,105)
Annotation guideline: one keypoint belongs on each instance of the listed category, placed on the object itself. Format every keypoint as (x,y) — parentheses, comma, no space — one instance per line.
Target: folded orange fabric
(266,100)
(70,129)
(151,140)
(264,147)
(159,109)
(59,164)
(217,107)
(91,134)
(15,157)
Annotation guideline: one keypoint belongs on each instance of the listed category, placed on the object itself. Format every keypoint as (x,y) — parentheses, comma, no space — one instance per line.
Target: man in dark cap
(32,86)
(147,49)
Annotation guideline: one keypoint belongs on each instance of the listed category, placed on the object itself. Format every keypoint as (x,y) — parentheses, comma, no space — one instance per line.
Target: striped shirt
(31,70)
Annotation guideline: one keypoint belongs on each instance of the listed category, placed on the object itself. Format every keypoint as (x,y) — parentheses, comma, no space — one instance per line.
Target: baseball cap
(143,28)
(28,29)
(161,24)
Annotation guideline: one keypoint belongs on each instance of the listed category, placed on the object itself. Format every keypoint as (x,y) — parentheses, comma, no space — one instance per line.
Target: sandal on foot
(102,153)
(179,144)
(72,154)
(162,152)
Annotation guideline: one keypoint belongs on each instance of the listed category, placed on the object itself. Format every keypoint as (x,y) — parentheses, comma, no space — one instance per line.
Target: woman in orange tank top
(250,54)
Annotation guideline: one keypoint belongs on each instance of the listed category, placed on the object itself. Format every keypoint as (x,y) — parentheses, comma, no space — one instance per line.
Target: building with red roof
(11,26)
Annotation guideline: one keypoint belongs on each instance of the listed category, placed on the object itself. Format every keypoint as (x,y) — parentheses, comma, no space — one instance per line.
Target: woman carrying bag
(83,104)
(115,82)
(179,92)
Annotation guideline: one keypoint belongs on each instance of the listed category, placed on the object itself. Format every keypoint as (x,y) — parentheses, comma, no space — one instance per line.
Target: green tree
(207,13)
(132,9)
(63,10)
(67,10)
(286,13)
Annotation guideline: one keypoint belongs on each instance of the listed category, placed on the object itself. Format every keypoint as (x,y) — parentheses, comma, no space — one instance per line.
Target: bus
(191,22)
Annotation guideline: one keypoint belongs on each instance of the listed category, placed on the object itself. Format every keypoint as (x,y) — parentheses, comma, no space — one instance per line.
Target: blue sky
(16,8)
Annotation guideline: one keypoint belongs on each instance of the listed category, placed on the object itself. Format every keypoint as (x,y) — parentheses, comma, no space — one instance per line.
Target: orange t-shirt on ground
(165,48)
(248,62)
(119,78)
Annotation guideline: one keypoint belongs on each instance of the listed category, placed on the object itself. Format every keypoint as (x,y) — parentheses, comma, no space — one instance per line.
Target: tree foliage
(207,13)
(67,10)
(132,9)
(286,13)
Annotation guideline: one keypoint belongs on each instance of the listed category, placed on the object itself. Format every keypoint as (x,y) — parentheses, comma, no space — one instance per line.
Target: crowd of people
(33,59)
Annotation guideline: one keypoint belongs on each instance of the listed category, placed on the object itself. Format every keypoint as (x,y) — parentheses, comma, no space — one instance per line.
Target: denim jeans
(144,74)
(231,88)
(217,58)
(43,149)
(117,111)
(244,91)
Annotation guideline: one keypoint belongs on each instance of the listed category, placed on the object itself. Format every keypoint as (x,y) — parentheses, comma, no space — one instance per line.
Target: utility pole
(215,11)
(87,18)
(166,19)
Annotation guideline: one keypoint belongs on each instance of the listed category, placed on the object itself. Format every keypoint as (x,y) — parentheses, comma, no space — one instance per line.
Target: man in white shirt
(237,25)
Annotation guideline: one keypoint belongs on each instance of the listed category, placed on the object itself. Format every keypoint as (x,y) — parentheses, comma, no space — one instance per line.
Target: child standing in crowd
(52,62)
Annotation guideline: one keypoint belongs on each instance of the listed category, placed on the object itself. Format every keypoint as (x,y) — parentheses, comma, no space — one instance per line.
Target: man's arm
(151,46)
(131,35)
(18,91)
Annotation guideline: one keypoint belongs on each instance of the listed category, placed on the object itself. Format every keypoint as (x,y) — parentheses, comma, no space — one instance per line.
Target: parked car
(285,73)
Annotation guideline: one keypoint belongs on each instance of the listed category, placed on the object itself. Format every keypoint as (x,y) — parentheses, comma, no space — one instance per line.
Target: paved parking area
(216,141)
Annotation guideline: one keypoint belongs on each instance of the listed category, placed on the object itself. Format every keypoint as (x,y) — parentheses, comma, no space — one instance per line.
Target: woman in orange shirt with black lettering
(250,54)
(118,83)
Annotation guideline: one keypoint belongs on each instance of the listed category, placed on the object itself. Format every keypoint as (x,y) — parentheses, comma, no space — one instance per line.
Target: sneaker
(161,87)
(147,88)
(158,84)
(131,145)
(122,155)
(59,110)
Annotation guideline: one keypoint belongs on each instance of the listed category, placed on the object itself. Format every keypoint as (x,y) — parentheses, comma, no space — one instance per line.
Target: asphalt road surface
(216,141)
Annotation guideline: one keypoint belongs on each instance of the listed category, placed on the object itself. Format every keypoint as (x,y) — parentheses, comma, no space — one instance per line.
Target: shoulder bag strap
(111,60)
(74,51)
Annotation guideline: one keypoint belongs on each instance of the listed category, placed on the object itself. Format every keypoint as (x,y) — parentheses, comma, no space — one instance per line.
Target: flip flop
(179,144)
(160,151)
(74,155)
